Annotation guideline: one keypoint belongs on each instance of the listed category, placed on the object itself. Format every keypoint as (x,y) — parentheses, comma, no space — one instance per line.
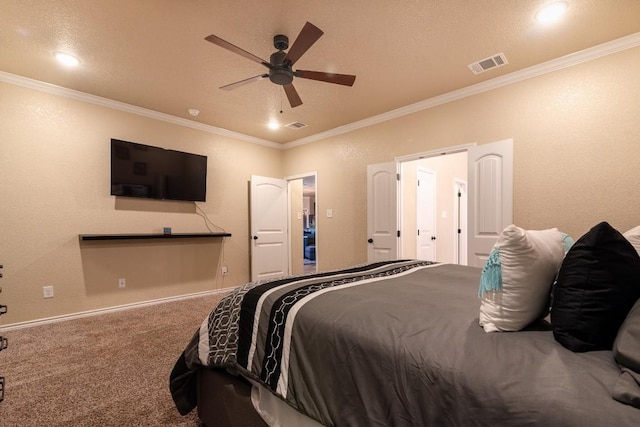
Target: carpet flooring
(105,370)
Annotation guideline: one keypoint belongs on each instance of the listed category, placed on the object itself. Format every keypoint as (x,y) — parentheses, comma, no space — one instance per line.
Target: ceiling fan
(280,63)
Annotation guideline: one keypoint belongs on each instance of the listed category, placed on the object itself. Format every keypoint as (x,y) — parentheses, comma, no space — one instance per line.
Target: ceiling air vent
(296,125)
(486,64)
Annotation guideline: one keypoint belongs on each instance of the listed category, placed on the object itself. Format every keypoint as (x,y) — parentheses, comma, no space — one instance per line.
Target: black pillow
(598,283)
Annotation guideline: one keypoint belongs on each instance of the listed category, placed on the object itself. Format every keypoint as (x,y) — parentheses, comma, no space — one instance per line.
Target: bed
(396,343)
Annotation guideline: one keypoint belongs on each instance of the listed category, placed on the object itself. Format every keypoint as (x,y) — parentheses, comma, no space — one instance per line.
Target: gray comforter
(398,344)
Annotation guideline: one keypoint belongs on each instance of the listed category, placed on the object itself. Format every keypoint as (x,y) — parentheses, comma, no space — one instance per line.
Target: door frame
(461,221)
(290,178)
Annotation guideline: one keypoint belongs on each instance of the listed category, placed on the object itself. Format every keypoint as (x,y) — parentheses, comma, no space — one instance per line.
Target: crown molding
(628,42)
(586,55)
(121,106)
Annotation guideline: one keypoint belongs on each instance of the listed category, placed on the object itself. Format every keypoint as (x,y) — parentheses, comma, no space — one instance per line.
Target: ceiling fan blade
(244,82)
(340,79)
(235,49)
(292,95)
(307,37)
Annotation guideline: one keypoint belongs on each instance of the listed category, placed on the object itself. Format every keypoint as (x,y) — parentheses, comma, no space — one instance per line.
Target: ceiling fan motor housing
(280,73)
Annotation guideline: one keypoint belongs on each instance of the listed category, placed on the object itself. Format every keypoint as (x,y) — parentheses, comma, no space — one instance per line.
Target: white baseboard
(44,321)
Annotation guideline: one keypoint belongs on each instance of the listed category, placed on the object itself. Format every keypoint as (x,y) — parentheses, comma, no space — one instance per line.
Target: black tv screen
(139,170)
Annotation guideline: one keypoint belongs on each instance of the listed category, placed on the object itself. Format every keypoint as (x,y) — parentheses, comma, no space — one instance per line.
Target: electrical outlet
(47,291)
(122,283)
(225,271)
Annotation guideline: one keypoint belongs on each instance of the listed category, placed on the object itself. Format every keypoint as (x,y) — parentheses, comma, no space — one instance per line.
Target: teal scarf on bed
(491,277)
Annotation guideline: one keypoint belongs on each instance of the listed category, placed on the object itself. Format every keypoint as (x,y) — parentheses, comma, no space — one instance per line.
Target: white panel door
(269,238)
(382,212)
(490,197)
(426,214)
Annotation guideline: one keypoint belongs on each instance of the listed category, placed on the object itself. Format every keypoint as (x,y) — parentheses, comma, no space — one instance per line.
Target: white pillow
(516,280)
(633,236)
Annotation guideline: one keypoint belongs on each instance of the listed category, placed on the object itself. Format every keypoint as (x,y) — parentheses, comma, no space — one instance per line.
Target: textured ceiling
(153,53)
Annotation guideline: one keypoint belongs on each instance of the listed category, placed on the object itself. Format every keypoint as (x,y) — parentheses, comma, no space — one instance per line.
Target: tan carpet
(104,370)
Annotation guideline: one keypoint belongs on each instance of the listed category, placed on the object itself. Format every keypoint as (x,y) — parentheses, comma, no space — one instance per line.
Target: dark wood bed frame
(225,400)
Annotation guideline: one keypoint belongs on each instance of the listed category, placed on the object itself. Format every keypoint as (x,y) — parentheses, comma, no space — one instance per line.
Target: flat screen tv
(139,170)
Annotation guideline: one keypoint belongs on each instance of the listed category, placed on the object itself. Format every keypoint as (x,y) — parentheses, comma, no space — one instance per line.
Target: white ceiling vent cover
(296,125)
(486,64)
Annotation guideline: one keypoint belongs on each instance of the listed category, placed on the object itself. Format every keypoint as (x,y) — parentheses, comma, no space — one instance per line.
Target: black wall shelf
(85,237)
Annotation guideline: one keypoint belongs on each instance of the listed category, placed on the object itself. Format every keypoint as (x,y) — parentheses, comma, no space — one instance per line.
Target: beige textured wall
(576,143)
(54,185)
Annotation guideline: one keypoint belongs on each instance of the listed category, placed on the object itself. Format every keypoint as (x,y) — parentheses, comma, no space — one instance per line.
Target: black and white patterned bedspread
(398,344)
(248,330)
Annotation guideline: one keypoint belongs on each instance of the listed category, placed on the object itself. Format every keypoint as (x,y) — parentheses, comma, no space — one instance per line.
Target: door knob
(255,237)
(370,240)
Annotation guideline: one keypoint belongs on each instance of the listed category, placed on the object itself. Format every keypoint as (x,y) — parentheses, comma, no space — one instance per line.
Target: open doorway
(302,223)
(487,207)
(309,223)
(433,213)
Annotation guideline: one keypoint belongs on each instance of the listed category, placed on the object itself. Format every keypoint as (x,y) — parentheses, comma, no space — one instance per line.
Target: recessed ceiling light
(67,59)
(193,111)
(273,125)
(552,12)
